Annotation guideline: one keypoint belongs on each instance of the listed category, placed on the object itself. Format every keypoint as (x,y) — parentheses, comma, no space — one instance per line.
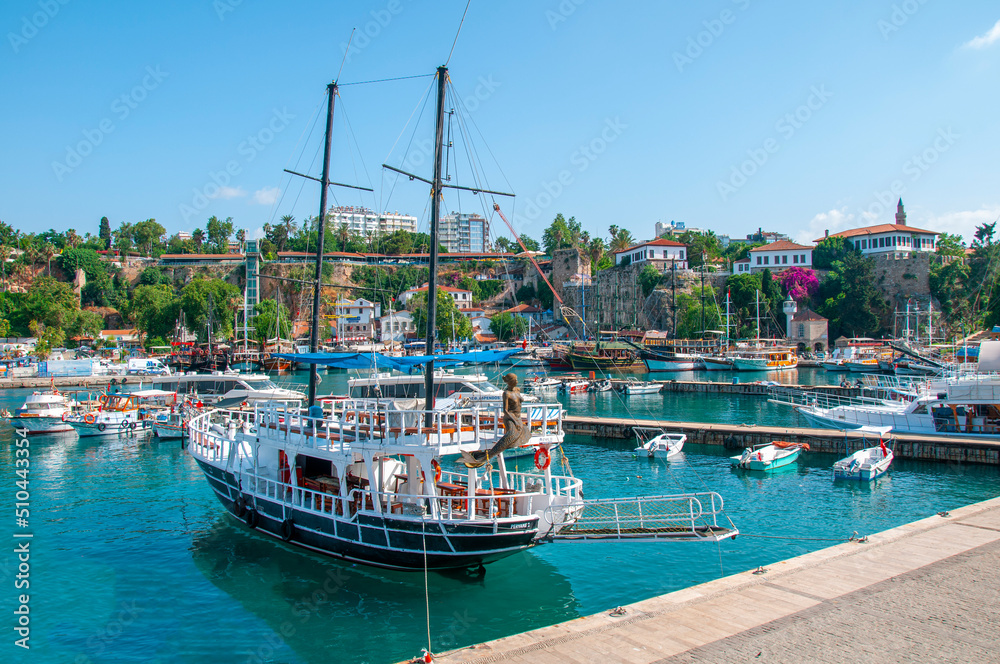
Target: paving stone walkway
(928,591)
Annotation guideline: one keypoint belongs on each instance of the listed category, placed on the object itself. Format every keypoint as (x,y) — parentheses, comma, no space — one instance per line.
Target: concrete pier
(65,381)
(922,592)
(834,441)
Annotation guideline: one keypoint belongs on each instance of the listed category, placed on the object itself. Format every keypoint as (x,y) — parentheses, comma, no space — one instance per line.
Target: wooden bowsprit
(692,517)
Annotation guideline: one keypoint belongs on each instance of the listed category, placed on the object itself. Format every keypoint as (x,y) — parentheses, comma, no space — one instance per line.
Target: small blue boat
(776,454)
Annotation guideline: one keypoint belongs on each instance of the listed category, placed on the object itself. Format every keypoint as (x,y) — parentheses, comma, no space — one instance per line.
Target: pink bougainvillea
(799,282)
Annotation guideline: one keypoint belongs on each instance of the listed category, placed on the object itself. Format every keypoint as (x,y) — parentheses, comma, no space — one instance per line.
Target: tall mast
(331,91)
(758,318)
(442,75)
(703,295)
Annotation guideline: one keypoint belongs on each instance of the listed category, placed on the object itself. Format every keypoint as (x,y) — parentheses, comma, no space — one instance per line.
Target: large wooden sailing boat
(367,482)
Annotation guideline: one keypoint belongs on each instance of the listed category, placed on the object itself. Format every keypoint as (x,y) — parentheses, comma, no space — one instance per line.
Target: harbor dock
(924,591)
(834,441)
(65,381)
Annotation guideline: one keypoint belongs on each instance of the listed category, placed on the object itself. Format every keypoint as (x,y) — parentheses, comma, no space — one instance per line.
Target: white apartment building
(464,232)
(779,256)
(463,298)
(363,221)
(396,326)
(355,318)
(661,252)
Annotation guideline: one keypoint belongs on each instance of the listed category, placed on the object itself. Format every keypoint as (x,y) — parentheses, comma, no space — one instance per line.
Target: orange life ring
(64,415)
(89,418)
(437,470)
(542,458)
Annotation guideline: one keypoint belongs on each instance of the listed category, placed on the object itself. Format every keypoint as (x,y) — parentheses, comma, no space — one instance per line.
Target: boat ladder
(684,517)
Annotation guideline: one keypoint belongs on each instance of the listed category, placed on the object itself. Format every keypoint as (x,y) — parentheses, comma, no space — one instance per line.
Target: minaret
(900,213)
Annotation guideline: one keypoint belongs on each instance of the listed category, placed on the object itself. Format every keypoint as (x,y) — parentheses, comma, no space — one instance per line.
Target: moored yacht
(226,388)
(43,412)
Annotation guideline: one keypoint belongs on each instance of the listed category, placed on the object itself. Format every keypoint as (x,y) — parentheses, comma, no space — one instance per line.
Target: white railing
(690,515)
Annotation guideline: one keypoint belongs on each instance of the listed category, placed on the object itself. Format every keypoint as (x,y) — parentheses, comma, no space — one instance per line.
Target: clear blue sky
(672,98)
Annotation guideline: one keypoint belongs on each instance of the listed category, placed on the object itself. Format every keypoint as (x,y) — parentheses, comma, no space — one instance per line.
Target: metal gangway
(692,517)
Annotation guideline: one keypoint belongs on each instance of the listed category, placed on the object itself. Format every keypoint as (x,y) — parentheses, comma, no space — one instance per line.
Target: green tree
(194,301)
(621,239)
(85,324)
(219,232)
(50,302)
(830,250)
(147,235)
(648,278)
(849,299)
(445,312)
(689,313)
(508,326)
(950,245)
(154,309)
(124,237)
(560,234)
(267,324)
(105,233)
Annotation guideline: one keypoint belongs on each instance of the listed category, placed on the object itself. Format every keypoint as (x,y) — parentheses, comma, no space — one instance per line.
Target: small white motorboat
(776,455)
(575,385)
(866,464)
(663,446)
(641,387)
(541,383)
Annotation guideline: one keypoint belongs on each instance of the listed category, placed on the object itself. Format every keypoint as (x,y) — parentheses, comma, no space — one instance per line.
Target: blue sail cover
(368,360)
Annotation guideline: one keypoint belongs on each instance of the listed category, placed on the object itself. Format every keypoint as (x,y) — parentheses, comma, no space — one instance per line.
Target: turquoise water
(134,560)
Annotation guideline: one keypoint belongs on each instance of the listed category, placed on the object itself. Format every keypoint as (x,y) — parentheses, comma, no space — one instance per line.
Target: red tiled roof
(523,309)
(486,338)
(203,256)
(444,288)
(658,242)
(879,228)
(118,333)
(807,315)
(781,245)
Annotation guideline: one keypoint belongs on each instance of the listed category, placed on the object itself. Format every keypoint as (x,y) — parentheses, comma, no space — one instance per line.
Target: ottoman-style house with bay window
(885,238)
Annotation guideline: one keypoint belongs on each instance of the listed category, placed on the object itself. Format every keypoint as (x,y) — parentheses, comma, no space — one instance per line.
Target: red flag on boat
(881,444)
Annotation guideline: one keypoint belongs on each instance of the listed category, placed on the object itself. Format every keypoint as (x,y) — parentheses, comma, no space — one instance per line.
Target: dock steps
(680,517)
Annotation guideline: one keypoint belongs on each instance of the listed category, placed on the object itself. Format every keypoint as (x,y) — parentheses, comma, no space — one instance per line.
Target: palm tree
(596,251)
(199,238)
(241,237)
(289,222)
(72,239)
(5,252)
(622,240)
(48,251)
(343,234)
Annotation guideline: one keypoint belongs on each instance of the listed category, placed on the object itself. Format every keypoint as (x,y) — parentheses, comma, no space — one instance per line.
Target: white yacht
(226,388)
(42,412)
(476,388)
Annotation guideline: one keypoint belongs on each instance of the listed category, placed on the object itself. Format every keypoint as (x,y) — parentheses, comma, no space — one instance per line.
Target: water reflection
(321,608)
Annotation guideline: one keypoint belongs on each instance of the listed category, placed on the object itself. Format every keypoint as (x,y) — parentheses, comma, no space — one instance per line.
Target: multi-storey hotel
(361,220)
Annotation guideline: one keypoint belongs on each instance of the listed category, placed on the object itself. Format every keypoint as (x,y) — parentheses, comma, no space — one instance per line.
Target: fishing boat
(365,481)
(717,362)
(633,386)
(603,356)
(772,456)
(122,413)
(661,446)
(42,412)
(864,465)
(765,358)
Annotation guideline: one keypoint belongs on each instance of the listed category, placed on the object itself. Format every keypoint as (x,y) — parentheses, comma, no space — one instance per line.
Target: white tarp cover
(989,356)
